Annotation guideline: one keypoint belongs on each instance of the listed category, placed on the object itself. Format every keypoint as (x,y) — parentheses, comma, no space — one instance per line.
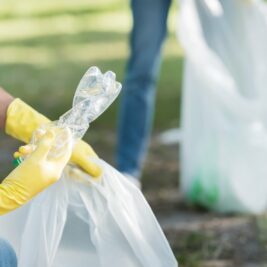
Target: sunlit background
(46,46)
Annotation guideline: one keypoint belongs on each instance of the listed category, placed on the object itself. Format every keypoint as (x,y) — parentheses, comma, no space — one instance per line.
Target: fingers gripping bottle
(94,94)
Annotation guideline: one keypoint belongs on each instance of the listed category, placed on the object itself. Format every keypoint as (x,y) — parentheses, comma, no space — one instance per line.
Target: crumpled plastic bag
(82,222)
(224,113)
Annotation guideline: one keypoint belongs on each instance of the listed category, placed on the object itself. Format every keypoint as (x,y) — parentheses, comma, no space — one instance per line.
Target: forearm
(5,100)
(22,120)
(11,197)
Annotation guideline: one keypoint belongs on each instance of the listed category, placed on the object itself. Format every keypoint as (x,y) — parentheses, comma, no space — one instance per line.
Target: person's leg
(7,255)
(138,93)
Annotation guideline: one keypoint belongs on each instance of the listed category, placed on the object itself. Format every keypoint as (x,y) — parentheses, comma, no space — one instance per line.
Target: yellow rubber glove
(35,173)
(71,171)
(22,121)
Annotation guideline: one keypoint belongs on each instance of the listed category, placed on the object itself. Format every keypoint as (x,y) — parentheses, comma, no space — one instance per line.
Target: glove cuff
(22,120)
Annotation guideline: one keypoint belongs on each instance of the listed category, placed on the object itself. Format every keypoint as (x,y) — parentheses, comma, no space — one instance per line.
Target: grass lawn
(45,47)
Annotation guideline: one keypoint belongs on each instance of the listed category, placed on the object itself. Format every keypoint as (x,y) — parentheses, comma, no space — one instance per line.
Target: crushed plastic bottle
(94,94)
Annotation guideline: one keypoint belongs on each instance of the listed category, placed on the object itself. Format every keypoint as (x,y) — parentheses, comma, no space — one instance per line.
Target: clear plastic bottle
(94,94)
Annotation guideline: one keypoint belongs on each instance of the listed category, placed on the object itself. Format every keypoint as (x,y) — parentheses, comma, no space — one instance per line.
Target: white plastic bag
(224,114)
(81,222)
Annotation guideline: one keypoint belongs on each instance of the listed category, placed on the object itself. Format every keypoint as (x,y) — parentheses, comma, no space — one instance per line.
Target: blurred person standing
(138,99)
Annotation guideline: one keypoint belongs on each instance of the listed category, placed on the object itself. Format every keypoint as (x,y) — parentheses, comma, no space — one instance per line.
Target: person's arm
(20,121)
(5,100)
(35,173)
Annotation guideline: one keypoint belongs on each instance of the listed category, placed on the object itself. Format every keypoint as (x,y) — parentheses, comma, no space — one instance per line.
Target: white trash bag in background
(224,110)
(81,221)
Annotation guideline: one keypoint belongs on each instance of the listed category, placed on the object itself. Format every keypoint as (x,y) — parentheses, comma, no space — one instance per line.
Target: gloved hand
(72,171)
(22,121)
(35,173)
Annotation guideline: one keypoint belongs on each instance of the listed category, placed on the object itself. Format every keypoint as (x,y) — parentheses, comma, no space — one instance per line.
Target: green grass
(45,47)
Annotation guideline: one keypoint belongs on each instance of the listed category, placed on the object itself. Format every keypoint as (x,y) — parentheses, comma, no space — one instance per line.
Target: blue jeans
(138,92)
(7,255)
